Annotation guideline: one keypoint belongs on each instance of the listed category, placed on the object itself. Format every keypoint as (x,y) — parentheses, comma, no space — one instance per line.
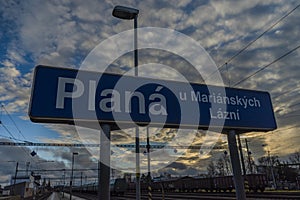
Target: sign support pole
(104,163)
(137,133)
(236,166)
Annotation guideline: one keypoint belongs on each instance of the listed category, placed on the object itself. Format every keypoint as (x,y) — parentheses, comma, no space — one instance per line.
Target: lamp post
(16,172)
(64,183)
(71,180)
(127,13)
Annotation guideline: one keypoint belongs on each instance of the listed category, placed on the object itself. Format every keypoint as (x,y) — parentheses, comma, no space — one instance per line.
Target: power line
(294,104)
(59,170)
(278,130)
(13,121)
(286,92)
(16,139)
(11,138)
(75,177)
(268,65)
(258,37)
(153,146)
(10,133)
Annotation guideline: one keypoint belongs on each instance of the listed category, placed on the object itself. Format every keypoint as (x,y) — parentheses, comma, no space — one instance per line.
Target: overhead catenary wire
(289,107)
(7,130)
(268,65)
(254,40)
(13,137)
(278,130)
(153,146)
(13,121)
(286,92)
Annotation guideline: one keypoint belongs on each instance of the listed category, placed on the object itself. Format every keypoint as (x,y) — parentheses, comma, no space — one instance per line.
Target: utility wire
(16,139)
(8,131)
(11,138)
(258,37)
(13,121)
(278,130)
(286,92)
(294,104)
(153,146)
(290,114)
(268,65)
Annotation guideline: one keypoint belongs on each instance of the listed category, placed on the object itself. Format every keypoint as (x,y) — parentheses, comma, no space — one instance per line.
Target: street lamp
(74,153)
(127,13)
(123,12)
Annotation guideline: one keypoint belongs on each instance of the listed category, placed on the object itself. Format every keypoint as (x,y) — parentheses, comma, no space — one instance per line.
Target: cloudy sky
(253,43)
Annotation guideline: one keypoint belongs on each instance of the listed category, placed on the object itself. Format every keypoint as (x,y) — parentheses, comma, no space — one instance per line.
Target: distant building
(23,189)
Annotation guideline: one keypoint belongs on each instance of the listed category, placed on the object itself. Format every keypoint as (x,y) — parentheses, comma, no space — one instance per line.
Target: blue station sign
(64,95)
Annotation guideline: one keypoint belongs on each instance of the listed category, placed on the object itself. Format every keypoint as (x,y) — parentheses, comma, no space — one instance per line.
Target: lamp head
(123,12)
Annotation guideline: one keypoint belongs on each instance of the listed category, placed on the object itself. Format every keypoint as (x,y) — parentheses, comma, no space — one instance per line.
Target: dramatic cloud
(63,32)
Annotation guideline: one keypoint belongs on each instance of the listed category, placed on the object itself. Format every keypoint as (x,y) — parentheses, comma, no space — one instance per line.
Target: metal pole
(63,195)
(148,154)
(249,158)
(27,167)
(16,172)
(242,155)
(235,161)
(272,172)
(71,181)
(149,172)
(80,181)
(137,137)
(135,47)
(104,163)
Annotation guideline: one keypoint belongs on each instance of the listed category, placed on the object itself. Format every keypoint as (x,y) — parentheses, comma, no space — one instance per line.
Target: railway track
(202,195)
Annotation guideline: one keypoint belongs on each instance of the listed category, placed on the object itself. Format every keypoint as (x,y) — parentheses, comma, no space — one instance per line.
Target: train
(252,183)
(117,187)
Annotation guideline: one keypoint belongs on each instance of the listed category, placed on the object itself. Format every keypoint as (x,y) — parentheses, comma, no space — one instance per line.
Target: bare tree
(295,158)
(220,166)
(269,160)
(211,168)
(251,167)
(227,163)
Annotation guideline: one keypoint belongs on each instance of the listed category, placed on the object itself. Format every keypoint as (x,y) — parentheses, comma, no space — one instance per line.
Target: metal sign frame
(246,110)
